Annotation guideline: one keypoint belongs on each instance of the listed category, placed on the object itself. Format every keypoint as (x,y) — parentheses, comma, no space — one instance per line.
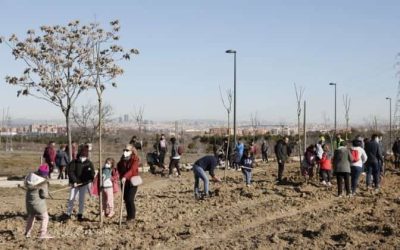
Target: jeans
(174,163)
(81,191)
(281,168)
(374,171)
(326,175)
(199,173)
(355,174)
(129,198)
(247,175)
(340,176)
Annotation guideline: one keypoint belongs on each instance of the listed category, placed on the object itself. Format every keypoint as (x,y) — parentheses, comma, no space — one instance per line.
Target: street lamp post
(231,51)
(334,84)
(390,120)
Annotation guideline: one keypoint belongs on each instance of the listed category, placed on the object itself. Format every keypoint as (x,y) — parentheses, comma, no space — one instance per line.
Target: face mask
(127,153)
(107,165)
(83,159)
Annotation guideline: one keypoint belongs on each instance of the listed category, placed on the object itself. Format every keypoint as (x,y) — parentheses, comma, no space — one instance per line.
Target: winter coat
(81,172)
(281,151)
(342,160)
(374,153)
(362,157)
(36,194)
(62,158)
(325,162)
(49,154)
(127,168)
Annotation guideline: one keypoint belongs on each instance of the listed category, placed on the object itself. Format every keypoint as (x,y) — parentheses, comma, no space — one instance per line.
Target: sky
(182,61)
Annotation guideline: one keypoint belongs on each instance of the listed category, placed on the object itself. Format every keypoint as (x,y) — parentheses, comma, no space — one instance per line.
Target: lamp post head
(230,51)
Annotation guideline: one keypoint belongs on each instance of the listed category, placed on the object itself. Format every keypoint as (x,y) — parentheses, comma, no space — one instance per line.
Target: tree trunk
(100,162)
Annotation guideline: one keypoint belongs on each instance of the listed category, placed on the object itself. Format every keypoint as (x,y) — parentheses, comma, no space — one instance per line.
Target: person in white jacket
(359,159)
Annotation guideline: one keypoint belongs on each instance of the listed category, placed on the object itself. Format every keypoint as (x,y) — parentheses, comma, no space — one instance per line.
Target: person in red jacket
(127,167)
(49,156)
(325,170)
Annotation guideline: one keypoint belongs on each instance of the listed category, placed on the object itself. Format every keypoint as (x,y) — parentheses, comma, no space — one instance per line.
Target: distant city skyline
(182,59)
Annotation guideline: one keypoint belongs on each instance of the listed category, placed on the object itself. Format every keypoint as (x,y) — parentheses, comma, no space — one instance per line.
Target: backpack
(355,154)
(180,150)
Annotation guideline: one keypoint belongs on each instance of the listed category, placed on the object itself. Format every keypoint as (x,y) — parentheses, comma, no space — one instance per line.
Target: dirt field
(264,216)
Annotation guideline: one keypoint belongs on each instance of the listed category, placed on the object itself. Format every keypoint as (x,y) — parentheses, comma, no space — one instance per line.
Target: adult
(62,161)
(162,148)
(282,153)
(374,155)
(175,157)
(359,159)
(81,174)
(128,166)
(264,151)
(239,148)
(49,156)
(396,152)
(342,159)
(206,163)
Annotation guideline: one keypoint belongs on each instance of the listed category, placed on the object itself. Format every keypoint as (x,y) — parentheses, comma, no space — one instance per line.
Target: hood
(32,180)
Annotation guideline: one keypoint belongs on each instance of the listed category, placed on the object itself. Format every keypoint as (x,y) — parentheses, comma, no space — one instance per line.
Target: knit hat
(43,170)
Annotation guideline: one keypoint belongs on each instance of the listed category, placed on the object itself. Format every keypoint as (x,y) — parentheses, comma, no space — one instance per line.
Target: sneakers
(45,236)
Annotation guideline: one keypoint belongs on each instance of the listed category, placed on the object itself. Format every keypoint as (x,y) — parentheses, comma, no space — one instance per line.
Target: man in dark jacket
(374,154)
(81,173)
(264,151)
(206,163)
(282,153)
(396,152)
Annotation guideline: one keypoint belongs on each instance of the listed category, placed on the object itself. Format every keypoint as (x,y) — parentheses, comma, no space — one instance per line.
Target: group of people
(347,162)
(81,175)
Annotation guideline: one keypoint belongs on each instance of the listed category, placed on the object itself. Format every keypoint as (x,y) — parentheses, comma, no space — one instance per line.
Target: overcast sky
(182,57)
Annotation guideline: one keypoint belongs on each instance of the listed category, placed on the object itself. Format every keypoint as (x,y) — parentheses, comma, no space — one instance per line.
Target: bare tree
(299,97)
(138,117)
(104,70)
(255,122)
(228,107)
(346,103)
(86,118)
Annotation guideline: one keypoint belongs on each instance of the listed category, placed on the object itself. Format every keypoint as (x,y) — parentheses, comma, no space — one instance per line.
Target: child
(309,162)
(325,170)
(36,192)
(110,186)
(247,166)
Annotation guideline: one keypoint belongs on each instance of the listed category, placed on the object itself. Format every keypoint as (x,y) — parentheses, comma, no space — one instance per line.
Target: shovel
(122,204)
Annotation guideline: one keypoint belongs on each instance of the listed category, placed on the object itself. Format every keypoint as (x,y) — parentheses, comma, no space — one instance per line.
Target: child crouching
(36,193)
(247,166)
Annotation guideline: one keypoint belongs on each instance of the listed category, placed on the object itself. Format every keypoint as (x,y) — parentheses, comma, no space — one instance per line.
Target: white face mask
(107,165)
(83,159)
(127,153)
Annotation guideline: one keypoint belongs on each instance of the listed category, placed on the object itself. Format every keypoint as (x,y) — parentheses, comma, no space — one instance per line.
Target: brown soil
(264,216)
